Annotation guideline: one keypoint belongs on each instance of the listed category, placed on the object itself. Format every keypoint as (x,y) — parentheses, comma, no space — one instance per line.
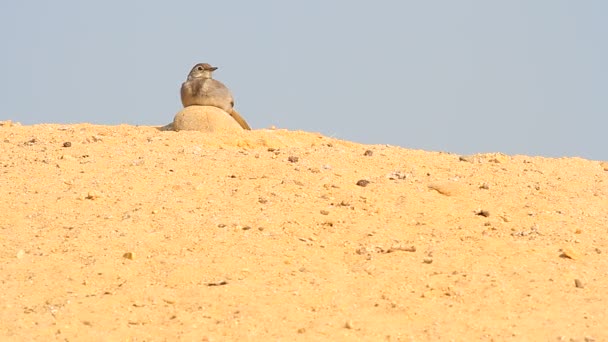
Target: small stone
(92,195)
(362,182)
(427,260)
(484,186)
(349,325)
(397,175)
(218,283)
(67,144)
(301,330)
(604,165)
(482,212)
(368,153)
(569,253)
(445,188)
(468,159)
(324,212)
(129,255)
(20,254)
(578,283)
(293,159)
(403,248)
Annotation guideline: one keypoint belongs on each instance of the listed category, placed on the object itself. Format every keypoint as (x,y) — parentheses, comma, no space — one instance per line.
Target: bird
(200,89)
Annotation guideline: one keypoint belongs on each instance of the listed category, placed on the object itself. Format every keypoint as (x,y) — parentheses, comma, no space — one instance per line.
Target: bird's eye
(199,68)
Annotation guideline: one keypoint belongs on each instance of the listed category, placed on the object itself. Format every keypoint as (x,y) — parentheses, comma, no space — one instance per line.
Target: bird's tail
(236,116)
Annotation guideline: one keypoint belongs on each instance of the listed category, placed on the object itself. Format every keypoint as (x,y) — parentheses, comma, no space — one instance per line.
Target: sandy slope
(135,234)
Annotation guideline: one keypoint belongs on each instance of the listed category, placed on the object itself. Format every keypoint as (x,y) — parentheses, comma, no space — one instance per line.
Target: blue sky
(517,77)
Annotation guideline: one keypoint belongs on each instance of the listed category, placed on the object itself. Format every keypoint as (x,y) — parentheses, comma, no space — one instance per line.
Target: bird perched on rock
(200,89)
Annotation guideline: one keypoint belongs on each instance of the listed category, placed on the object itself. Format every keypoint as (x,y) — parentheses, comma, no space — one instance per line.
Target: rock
(129,255)
(445,188)
(205,119)
(569,253)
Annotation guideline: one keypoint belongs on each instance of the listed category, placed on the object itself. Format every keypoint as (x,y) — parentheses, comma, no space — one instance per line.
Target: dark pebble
(368,153)
(483,213)
(67,144)
(363,182)
(293,159)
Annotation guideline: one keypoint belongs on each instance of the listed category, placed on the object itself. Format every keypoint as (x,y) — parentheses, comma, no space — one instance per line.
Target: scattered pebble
(569,253)
(604,165)
(67,144)
(403,248)
(129,255)
(93,195)
(218,283)
(397,175)
(349,325)
(483,213)
(362,182)
(427,260)
(293,159)
(446,188)
(20,254)
(484,186)
(468,159)
(368,153)
(324,212)
(578,283)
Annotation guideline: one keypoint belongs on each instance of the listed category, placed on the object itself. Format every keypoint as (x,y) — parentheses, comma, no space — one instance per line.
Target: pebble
(569,253)
(129,255)
(349,325)
(368,153)
(483,213)
(67,144)
(293,159)
(92,195)
(446,188)
(578,283)
(427,260)
(20,254)
(324,212)
(604,165)
(468,159)
(362,182)
(403,248)
(397,175)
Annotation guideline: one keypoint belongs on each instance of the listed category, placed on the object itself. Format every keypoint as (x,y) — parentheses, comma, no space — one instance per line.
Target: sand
(127,233)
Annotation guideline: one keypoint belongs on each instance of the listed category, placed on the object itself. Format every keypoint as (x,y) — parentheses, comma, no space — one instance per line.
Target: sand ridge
(132,233)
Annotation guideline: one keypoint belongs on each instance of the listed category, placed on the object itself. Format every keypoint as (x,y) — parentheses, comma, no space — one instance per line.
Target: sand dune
(130,233)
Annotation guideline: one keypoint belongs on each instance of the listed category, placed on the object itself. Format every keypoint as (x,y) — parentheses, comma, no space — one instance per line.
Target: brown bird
(202,90)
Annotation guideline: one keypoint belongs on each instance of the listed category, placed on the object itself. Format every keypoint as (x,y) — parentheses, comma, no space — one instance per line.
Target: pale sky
(517,77)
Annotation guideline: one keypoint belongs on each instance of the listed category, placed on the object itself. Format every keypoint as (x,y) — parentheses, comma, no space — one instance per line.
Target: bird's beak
(213,68)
